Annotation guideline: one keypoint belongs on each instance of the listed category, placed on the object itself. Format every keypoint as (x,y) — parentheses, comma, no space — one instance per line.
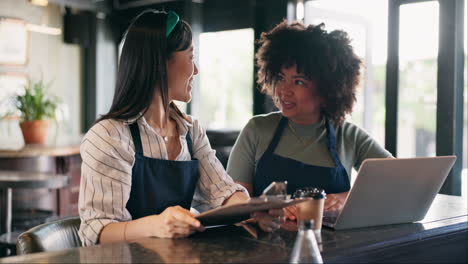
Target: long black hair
(142,69)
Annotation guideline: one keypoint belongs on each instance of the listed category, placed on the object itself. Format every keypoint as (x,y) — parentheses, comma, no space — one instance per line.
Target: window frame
(450,66)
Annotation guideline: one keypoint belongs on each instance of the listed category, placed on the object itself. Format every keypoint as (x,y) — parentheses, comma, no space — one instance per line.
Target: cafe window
(417,100)
(365,21)
(226,78)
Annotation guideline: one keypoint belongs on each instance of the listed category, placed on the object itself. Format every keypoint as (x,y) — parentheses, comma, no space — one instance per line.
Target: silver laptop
(391,191)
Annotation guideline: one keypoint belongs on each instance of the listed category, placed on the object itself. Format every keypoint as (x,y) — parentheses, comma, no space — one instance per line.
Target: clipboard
(235,213)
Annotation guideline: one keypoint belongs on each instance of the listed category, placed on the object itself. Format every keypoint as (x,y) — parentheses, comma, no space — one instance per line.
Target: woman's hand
(270,221)
(290,212)
(174,222)
(335,201)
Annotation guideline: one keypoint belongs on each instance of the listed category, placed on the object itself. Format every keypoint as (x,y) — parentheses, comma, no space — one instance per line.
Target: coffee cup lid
(310,192)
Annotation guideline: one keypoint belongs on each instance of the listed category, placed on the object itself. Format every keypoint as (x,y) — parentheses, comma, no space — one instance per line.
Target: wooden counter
(36,150)
(441,237)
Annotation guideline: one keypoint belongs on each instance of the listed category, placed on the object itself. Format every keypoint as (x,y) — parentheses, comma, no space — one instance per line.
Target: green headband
(171,21)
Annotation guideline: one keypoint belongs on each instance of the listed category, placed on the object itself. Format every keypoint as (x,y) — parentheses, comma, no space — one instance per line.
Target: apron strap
(277,135)
(189,143)
(331,142)
(136,137)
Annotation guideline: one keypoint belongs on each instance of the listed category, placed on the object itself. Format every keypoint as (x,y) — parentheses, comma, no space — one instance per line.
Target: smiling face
(180,72)
(297,97)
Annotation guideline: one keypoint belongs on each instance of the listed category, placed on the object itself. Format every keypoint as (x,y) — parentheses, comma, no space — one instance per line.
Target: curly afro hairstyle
(326,58)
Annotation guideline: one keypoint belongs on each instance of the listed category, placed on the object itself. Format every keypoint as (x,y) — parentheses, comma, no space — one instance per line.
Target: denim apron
(157,183)
(272,167)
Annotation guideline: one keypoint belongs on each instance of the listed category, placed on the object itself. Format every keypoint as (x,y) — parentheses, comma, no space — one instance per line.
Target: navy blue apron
(157,183)
(272,167)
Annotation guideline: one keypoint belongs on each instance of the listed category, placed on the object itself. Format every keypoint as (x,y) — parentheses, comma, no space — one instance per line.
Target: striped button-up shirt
(108,155)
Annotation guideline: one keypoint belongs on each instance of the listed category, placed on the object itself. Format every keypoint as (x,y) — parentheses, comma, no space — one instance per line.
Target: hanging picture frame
(14,38)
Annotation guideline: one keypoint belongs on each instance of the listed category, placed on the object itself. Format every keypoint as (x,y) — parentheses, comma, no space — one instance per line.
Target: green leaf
(35,104)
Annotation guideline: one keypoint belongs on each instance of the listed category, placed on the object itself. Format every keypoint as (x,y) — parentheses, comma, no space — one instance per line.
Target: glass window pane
(366,23)
(417,94)
(226,78)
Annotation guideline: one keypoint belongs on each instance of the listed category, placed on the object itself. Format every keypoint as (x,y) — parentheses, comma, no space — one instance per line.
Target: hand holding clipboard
(273,197)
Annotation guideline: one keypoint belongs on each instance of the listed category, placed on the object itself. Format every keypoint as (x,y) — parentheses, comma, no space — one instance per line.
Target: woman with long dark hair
(145,163)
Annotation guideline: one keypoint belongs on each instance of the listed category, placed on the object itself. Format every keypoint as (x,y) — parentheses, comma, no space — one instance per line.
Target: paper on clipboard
(231,214)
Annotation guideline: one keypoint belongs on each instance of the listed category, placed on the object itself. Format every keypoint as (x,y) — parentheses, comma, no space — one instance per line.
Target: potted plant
(35,106)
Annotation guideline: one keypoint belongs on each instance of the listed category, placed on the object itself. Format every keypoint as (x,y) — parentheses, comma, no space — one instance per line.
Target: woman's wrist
(125,231)
(147,225)
(138,228)
(235,198)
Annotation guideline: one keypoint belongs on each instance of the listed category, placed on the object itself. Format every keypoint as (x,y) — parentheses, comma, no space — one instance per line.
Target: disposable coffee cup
(312,209)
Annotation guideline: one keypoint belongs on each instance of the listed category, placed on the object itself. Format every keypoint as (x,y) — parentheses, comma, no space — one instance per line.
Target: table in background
(10,180)
(60,158)
(441,237)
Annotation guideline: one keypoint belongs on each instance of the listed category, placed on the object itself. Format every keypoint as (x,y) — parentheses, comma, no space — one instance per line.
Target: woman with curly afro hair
(312,76)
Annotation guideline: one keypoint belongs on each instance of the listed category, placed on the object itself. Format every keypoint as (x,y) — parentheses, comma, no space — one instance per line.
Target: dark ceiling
(107,6)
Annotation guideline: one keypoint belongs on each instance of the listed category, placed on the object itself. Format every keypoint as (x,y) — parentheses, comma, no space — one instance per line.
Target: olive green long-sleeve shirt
(305,143)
